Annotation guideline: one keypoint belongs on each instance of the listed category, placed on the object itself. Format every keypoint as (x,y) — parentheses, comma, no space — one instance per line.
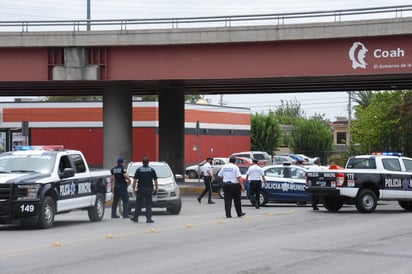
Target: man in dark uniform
(315,198)
(121,180)
(144,178)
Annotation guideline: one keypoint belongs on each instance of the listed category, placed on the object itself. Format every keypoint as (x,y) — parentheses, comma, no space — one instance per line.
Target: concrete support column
(172,130)
(117,124)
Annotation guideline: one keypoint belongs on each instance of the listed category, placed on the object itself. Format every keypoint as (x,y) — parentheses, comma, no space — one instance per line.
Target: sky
(331,104)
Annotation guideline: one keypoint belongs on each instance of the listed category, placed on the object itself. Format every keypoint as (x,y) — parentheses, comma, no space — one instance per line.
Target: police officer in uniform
(121,180)
(232,187)
(207,179)
(255,175)
(144,178)
(315,198)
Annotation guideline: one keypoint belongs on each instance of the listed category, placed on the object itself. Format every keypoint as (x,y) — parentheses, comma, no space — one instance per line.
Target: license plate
(321,183)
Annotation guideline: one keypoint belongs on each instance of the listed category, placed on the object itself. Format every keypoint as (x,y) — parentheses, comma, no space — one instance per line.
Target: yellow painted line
(109,236)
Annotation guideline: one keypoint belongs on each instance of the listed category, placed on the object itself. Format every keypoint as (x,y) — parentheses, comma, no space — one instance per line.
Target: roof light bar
(46,147)
(388,153)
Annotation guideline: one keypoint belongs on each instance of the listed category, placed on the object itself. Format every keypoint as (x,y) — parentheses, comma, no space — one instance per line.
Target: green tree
(289,111)
(377,127)
(265,132)
(406,122)
(313,137)
(362,98)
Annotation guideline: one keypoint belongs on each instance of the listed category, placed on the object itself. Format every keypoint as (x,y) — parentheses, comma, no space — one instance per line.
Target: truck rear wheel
(333,204)
(366,201)
(96,212)
(407,205)
(47,213)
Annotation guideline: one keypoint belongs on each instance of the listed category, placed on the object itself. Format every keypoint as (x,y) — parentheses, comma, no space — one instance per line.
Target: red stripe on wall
(145,114)
(52,114)
(217,117)
(96,114)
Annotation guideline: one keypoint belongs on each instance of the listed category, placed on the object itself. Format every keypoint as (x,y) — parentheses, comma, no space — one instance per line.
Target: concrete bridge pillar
(172,129)
(117,124)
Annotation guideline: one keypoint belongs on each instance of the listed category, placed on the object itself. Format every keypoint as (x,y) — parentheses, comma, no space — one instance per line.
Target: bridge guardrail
(211,21)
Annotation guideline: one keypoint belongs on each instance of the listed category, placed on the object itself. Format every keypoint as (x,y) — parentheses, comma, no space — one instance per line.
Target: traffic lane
(200,240)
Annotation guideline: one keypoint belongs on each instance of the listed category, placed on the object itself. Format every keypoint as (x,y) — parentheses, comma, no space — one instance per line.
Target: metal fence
(212,21)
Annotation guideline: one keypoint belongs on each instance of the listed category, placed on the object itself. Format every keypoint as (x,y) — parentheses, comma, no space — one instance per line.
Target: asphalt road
(274,239)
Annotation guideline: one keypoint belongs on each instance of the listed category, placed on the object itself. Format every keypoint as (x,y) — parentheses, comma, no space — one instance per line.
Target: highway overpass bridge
(119,59)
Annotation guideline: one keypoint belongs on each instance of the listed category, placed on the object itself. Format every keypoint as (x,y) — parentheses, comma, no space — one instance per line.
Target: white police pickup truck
(365,180)
(38,182)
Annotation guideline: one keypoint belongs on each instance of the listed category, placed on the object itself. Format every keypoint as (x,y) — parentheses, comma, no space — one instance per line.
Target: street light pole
(88,14)
(348,137)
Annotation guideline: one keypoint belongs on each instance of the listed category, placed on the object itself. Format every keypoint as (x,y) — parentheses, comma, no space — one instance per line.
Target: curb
(190,189)
(186,189)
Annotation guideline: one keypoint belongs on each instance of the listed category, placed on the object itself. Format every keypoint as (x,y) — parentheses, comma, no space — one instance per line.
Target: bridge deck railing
(211,21)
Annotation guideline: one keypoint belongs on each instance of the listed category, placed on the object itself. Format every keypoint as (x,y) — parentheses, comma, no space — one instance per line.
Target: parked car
(217,182)
(243,163)
(193,171)
(285,184)
(309,160)
(262,156)
(168,193)
(281,159)
(298,159)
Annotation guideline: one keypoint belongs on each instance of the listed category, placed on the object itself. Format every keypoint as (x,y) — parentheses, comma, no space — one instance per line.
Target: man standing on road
(144,178)
(232,187)
(121,181)
(255,175)
(207,180)
(315,198)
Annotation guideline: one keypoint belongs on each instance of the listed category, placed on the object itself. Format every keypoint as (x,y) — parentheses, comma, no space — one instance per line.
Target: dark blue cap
(120,160)
(255,160)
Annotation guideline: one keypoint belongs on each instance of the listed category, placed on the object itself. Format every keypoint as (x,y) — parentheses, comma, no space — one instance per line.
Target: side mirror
(67,173)
(179,178)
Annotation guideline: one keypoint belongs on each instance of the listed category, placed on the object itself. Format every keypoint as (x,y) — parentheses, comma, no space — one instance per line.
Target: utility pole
(88,14)
(198,148)
(348,137)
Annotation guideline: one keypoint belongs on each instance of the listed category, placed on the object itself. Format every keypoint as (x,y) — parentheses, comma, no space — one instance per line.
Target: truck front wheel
(366,201)
(96,212)
(47,213)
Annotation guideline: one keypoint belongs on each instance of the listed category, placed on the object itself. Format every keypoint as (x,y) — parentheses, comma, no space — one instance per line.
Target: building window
(341,137)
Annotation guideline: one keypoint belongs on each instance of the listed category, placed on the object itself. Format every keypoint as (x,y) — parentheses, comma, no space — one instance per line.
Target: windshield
(361,163)
(162,171)
(27,163)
